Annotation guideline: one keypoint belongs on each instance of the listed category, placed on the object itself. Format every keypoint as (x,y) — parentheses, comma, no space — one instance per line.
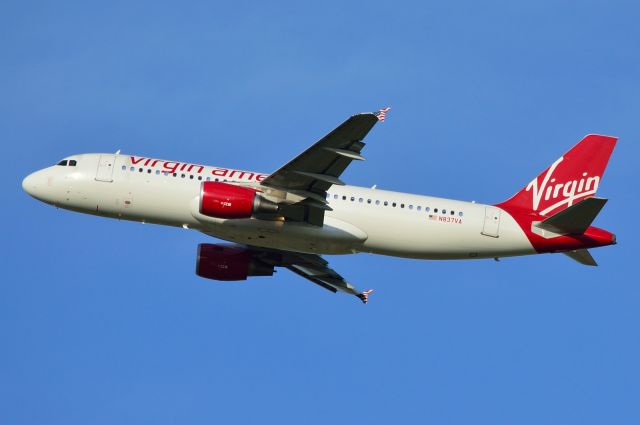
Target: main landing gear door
(105,168)
(491,225)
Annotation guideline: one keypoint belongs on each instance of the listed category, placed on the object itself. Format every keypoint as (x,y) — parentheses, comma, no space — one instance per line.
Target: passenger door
(491,225)
(105,168)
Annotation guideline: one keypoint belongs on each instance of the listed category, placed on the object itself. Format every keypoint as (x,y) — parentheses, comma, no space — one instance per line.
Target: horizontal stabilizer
(576,219)
(582,256)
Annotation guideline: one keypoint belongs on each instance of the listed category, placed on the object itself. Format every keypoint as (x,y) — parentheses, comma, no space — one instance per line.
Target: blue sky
(105,322)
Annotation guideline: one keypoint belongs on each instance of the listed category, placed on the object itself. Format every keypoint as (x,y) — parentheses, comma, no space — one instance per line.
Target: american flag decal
(364,295)
(382,113)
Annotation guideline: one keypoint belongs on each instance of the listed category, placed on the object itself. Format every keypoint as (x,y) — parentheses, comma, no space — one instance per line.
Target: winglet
(382,113)
(364,295)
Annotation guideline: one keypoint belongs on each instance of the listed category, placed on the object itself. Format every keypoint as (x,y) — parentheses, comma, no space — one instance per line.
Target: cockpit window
(63,163)
(72,162)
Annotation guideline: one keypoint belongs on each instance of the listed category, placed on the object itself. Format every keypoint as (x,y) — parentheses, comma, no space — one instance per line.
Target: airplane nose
(28,184)
(35,185)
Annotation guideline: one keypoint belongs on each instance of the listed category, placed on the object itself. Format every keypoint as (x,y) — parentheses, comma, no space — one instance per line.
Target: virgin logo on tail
(567,191)
(573,176)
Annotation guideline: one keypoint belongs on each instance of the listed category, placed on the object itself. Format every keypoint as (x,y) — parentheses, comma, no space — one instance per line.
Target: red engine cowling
(223,200)
(229,263)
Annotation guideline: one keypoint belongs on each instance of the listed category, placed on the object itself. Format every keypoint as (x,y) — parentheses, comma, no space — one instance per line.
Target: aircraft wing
(237,262)
(317,270)
(309,175)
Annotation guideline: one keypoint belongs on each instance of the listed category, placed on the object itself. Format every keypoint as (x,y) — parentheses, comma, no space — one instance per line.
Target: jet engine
(229,263)
(223,200)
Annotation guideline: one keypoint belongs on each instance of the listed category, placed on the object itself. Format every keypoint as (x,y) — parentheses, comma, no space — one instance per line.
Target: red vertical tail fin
(572,177)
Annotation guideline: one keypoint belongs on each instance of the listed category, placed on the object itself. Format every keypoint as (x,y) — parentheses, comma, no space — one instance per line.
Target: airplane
(303,210)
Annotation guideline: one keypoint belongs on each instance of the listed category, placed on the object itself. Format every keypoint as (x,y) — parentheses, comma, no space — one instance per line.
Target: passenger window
(72,163)
(335,196)
(410,207)
(132,169)
(63,163)
(444,211)
(386,203)
(191,176)
(208,178)
(368,201)
(182,175)
(401,205)
(124,167)
(140,170)
(149,171)
(435,210)
(353,199)
(427,209)
(419,208)
(344,198)
(199,177)
(175,174)
(157,172)
(377,202)
(360,200)
(460,214)
(453,212)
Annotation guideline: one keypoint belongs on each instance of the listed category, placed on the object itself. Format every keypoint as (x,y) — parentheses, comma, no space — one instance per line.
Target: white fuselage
(360,220)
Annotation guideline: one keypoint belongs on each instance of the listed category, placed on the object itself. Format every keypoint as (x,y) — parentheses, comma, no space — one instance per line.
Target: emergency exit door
(105,168)
(491,225)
